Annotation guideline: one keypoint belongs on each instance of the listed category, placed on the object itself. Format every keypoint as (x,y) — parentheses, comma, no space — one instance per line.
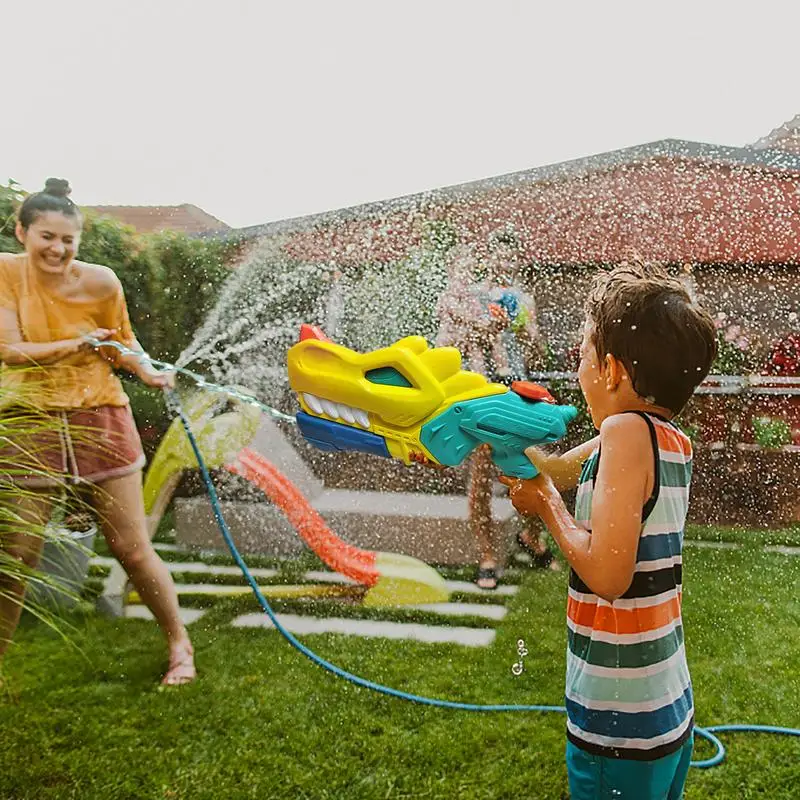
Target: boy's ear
(614,371)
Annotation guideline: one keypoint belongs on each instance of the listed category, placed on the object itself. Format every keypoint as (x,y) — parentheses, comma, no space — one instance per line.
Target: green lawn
(85,721)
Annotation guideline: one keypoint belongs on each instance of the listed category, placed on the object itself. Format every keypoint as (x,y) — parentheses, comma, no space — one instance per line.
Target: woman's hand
(532,496)
(158,380)
(100,334)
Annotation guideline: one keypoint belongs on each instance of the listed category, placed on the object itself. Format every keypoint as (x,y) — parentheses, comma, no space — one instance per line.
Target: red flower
(784,358)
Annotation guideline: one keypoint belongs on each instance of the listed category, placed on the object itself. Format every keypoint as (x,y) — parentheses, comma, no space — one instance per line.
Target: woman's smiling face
(51,241)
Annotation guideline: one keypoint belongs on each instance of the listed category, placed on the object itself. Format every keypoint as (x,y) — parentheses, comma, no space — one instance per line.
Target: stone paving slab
(783,549)
(485,610)
(467,587)
(469,637)
(315,576)
(711,545)
(322,576)
(187,615)
(464,609)
(197,567)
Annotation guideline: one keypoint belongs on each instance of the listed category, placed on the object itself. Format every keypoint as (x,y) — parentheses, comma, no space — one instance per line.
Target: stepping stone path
(448,630)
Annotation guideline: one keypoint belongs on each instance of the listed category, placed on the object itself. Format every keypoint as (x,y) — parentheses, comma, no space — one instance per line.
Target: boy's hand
(532,496)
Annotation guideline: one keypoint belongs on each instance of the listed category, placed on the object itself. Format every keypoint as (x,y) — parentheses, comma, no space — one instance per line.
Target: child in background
(515,337)
(464,321)
(630,710)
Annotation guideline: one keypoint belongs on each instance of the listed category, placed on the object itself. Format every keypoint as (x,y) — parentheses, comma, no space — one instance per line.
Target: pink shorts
(85,445)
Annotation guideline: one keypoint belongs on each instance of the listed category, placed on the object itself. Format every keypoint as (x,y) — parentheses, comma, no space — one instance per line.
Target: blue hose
(706,733)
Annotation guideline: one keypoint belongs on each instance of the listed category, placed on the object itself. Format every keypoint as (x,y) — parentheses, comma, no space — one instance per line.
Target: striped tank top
(628,691)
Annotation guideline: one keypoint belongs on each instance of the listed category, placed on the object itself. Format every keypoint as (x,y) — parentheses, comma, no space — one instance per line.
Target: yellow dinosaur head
(391,391)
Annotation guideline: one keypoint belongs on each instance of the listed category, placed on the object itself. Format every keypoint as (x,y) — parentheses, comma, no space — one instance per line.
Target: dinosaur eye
(388,376)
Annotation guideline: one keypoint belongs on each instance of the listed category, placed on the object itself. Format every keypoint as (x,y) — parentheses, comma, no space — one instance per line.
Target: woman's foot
(181,665)
(487,576)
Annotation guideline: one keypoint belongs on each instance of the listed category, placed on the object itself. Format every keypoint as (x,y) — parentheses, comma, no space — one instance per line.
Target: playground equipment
(225,430)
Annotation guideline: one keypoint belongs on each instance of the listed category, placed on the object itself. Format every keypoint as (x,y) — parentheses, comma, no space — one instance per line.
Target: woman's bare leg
(120,507)
(24,544)
(533,540)
(480,509)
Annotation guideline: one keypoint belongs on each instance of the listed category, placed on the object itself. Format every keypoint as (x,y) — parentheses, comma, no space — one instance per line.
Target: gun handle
(514,464)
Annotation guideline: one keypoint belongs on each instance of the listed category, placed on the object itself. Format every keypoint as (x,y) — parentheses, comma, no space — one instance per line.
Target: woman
(49,303)
(519,341)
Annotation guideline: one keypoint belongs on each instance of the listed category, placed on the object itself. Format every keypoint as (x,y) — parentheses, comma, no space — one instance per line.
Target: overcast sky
(259,111)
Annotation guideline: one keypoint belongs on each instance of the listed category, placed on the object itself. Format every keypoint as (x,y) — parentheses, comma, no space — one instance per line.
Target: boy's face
(591,377)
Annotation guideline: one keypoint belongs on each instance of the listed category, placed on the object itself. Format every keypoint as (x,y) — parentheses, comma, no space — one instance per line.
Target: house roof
(764,158)
(187,218)
(786,137)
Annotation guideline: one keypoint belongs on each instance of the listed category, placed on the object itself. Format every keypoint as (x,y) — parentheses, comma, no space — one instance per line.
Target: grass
(746,536)
(86,721)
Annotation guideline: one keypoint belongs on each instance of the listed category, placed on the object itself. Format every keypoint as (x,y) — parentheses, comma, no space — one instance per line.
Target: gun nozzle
(568,413)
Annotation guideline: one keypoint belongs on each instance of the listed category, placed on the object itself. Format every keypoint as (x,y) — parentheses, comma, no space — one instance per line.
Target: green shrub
(771,432)
(188,274)
(11,196)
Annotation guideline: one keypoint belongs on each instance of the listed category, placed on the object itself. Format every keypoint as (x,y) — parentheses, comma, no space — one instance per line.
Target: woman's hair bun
(57,187)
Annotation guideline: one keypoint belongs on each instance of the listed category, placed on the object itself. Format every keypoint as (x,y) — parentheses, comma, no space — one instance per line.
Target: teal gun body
(508,423)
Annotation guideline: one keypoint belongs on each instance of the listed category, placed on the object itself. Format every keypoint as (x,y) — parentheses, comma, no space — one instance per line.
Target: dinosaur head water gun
(415,403)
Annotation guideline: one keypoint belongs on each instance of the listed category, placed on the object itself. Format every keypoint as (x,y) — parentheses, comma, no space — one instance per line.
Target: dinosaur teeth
(313,403)
(362,418)
(331,409)
(322,406)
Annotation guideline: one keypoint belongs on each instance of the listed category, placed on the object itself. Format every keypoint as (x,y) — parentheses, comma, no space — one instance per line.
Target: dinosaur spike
(312,332)
(443,362)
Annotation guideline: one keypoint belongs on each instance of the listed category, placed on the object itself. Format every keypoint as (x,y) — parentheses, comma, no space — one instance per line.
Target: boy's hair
(646,319)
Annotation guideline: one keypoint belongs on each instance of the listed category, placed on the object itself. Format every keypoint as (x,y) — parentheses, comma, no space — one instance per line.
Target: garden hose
(709,733)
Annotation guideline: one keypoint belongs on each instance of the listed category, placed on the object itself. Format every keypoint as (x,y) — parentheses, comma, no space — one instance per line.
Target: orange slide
(225,436)
(353,562)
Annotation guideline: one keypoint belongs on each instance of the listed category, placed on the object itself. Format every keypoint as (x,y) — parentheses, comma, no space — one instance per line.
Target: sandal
(539,559)
(486,575)
(180,671)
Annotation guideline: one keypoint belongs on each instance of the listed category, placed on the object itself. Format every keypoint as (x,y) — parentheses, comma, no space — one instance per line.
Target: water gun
(505,302)
(414,402)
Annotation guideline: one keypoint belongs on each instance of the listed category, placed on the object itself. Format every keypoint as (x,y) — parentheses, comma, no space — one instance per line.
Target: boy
(646,347)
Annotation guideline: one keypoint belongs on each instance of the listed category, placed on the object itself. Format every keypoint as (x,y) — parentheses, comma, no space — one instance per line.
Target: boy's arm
(563,468)
(605,559)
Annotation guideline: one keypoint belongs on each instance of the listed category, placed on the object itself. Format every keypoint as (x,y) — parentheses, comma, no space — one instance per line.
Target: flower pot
(65,560)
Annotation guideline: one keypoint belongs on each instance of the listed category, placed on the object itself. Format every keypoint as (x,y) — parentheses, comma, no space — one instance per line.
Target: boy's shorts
(600,778)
